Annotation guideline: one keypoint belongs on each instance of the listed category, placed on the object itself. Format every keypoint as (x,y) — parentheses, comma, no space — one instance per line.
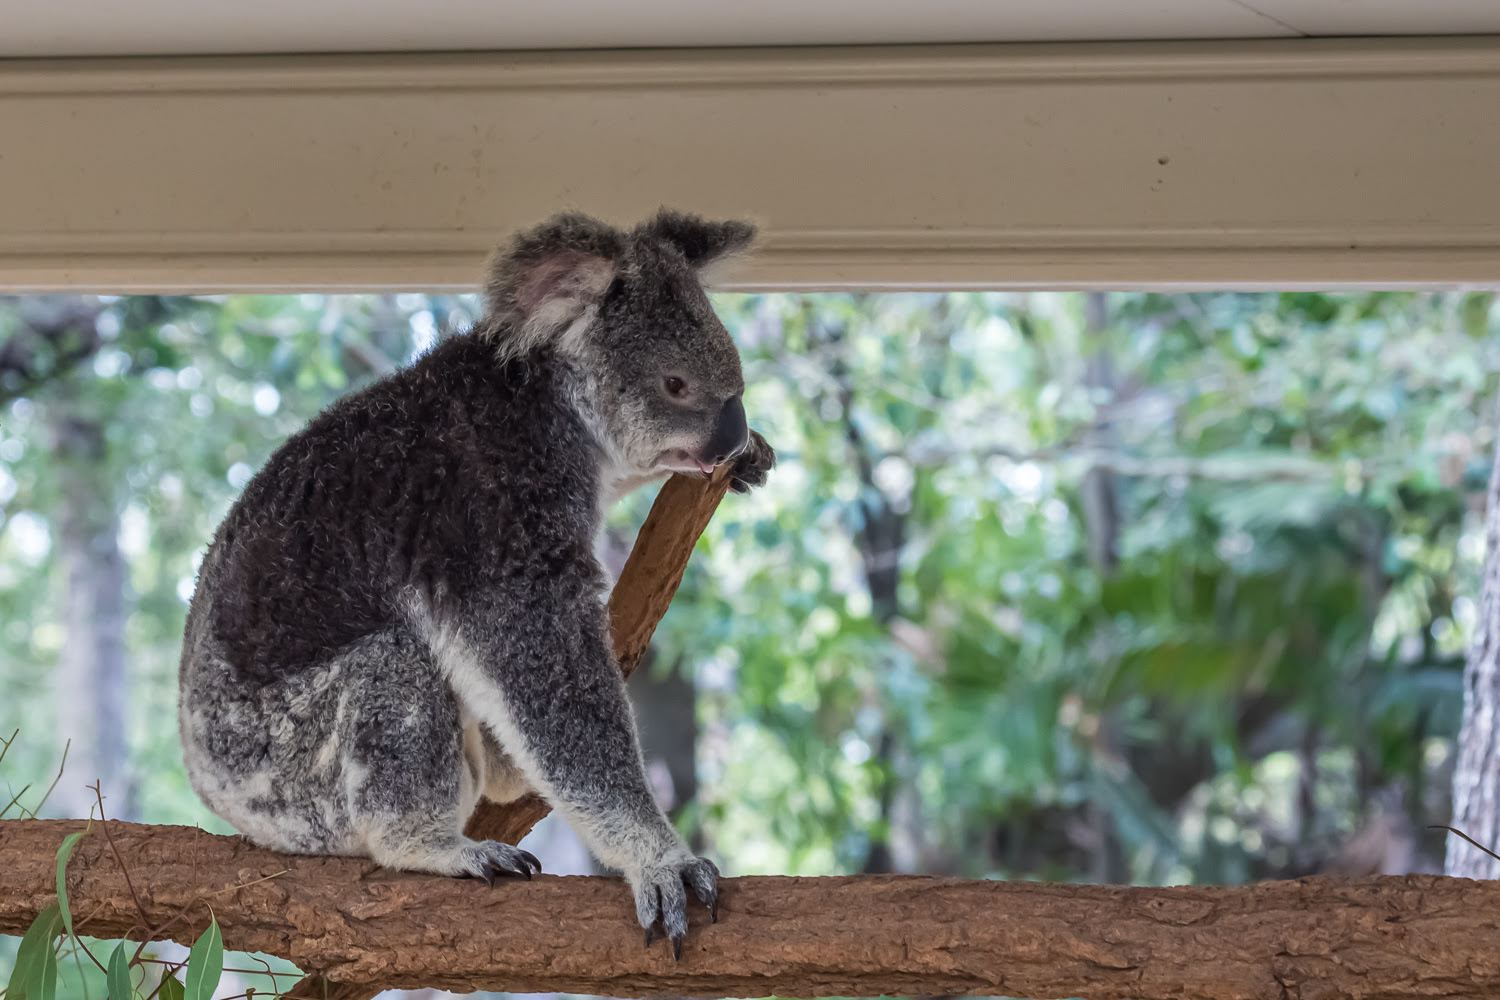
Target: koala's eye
(675,386)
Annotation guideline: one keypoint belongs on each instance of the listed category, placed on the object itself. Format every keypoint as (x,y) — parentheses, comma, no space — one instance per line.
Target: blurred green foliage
(1130,587)
(1261,678)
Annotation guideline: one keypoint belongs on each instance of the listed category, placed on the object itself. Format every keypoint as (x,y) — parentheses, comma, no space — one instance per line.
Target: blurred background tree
(1125,587)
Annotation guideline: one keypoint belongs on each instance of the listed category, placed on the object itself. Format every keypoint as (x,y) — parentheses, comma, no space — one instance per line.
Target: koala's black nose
(731,434)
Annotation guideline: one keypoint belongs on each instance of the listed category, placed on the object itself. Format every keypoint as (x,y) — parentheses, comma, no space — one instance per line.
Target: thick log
(637,603)
(344,918)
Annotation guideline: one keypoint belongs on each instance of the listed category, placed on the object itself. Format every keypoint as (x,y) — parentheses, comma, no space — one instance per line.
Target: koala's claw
(490,858)
(752,465)
(661,897)
(703,878)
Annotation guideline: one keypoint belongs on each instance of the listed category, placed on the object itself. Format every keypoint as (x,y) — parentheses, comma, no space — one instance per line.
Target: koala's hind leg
(408,783)
(503,779)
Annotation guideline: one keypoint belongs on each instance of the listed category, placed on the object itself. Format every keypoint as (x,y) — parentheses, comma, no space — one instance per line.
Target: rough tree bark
(1476,776)
(344,918)
(640,597)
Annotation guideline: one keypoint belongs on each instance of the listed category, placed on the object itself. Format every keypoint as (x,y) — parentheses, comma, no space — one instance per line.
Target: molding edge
(1189,164)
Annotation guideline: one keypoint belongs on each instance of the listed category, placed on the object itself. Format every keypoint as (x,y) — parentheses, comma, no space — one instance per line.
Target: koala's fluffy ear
(548,277)
(701,242)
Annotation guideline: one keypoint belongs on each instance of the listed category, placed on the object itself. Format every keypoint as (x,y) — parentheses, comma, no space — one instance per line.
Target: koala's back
(429,478)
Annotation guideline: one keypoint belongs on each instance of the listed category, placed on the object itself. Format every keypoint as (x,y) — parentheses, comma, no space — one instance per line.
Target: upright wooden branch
(354,923)
(640,598)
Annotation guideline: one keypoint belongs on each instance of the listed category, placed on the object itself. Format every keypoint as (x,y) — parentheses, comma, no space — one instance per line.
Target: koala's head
(628,311)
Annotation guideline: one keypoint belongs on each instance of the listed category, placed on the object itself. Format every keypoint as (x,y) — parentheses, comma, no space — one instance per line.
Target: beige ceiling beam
(1284,163)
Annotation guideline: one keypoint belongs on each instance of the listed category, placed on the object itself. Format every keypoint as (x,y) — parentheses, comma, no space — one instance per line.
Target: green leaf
(35,974)
(171,986)
(117,979)
(63,854)
(205,964)
(43,984)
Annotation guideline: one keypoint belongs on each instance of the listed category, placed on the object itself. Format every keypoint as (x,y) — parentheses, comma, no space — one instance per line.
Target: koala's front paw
(487,858)
(660,895)
(753,463)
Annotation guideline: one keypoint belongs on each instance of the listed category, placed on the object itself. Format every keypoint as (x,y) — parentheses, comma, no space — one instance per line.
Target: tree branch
(1254,468)
(56,334)
(354,923)
(640,597)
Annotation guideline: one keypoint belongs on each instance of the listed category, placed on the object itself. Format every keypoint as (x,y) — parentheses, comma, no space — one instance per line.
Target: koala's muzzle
(731,434)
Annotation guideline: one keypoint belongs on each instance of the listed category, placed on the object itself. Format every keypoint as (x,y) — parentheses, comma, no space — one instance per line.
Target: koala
(403,612)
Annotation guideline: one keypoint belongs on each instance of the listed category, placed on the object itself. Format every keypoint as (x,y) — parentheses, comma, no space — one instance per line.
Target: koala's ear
(548,277)
(701,242)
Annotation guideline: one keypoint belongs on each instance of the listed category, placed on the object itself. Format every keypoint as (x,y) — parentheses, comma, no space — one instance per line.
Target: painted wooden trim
(1281,163)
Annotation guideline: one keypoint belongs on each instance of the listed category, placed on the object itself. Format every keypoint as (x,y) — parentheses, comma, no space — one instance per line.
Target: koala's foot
(752,465)
(488,858)
(661,896)
(457,856)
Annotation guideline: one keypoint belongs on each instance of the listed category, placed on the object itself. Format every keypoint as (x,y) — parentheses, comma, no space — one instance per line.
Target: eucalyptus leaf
(171,987)
(35,974)
(205,964)
(63,854)
(117,976)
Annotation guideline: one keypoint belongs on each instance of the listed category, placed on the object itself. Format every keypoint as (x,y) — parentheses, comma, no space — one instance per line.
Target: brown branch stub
(509,822)
(658,561)
(352,923)
(640,598)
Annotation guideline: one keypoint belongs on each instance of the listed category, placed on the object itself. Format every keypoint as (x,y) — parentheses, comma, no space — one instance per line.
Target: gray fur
(403,612)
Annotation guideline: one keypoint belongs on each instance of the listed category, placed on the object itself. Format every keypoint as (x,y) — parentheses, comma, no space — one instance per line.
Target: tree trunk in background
(666,713)
(880,537)
(1476,777)
(1098,491)
(91,689)
(1098,495)
(60,333)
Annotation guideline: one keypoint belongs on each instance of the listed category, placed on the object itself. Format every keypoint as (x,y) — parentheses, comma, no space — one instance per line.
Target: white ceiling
(149,27)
